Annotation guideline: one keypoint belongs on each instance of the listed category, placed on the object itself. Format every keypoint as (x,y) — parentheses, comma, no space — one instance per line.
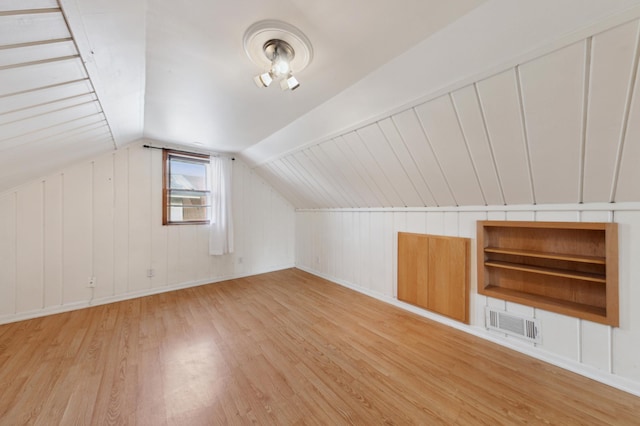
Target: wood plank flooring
(280,348)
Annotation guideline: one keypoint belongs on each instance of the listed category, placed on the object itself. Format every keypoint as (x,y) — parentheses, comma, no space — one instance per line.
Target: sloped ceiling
(562,127)
(412,103)
(49,110)
(176,71)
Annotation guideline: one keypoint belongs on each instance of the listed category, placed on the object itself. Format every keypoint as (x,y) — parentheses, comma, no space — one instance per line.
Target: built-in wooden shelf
(565,267)
(543,255)
(579,310)
(597,278)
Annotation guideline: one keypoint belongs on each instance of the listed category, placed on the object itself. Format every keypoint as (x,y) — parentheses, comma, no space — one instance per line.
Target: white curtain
(221,232)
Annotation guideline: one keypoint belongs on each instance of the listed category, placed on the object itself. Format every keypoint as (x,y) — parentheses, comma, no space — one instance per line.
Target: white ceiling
(411,102)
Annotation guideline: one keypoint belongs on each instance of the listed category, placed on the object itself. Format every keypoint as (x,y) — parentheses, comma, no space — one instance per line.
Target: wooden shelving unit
(565,267)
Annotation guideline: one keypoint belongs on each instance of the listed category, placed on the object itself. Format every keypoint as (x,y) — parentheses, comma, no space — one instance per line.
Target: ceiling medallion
(278,49)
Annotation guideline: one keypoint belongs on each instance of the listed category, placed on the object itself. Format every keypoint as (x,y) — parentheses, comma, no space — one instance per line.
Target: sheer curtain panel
(221,233)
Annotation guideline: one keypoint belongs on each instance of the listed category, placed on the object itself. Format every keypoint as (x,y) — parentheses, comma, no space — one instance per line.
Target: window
(186,188)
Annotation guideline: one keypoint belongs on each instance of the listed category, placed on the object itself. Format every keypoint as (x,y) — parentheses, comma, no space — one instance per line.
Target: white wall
(103,218)
(358,248)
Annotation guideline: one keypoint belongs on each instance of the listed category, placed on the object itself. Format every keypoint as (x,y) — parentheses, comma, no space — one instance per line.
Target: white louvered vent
(513,325)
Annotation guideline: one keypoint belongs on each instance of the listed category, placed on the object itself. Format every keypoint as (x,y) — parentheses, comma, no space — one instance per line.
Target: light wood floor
(280,348)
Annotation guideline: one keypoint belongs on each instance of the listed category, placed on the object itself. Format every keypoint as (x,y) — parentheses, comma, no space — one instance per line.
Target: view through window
(186,192)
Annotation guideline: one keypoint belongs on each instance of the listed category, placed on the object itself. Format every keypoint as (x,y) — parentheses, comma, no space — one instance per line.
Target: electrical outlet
(92,282)
(240,260)
(151,273)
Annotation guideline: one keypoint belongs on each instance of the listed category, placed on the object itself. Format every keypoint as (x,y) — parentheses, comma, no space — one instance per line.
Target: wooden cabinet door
(448,277)
(433,273)
(412,268)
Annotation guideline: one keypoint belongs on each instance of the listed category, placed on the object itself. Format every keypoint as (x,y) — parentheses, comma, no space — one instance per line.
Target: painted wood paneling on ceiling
(561,128)
(49,112)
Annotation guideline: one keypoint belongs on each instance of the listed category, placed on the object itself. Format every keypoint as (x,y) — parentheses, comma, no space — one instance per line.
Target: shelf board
(597,278)
(545,302)
(546,255)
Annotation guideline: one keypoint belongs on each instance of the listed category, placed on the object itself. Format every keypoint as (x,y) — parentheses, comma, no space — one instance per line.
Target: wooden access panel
(433,273)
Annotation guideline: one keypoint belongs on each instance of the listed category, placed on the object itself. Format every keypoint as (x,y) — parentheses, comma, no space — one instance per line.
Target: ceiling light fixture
(278,49)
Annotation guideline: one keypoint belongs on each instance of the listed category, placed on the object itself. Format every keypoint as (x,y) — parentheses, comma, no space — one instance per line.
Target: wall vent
(512,324)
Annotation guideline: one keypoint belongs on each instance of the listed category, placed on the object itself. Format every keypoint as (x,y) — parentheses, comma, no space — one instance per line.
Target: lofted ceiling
(563,127)
(409,103)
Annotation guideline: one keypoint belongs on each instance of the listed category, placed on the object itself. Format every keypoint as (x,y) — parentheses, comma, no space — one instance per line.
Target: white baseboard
(52,310)
(618,382)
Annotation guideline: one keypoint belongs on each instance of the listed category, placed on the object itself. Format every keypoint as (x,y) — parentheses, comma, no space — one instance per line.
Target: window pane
(188,206)
(188,198)
(186,193)
(188,214)
(187,174)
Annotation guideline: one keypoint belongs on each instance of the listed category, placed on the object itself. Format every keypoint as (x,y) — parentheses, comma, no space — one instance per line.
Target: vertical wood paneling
(338,232)
(595,339)
(612,58)
(418,146)
(175,274)
(139,219)
(270,221)
(552,90)
(341,155)
(253,228)
(350,246)
(315,179)
(290,167)
(415,222)
(29,248)
(261,200)
(379,166)
(408,163)
(159,234)
(627,188)
(363,163)
(595,346)
(240,232)
(188,250)
(388,240)
(8,254)
(203,258)
(388,162)
(399,225)
(57,232)
(435,223)
(467,229)
(474,130)
(276,177)
(377,260)
(341,181)
(121,221)
(626,338)
(441,125)
(501,106)
(77,232)
(560,334)
(103,224)
(451,226)
(53,241)
(321,175)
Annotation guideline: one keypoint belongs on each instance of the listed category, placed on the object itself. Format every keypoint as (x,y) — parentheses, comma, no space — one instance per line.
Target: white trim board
(23,316)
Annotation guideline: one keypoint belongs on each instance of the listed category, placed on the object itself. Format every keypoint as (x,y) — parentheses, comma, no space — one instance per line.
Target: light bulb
(280,67)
